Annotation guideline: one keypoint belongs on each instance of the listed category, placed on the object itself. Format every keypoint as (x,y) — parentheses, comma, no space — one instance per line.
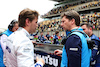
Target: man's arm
(73,48)
(3,41)
(95,50)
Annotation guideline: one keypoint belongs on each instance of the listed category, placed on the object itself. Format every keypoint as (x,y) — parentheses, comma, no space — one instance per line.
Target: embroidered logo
(9,50)
(74,49)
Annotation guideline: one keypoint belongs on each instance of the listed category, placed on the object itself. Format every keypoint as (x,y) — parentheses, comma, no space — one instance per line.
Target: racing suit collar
(25,31)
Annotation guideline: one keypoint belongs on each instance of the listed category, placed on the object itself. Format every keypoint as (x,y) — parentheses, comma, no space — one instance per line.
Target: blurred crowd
(55,38)
(54,24)
(73,6)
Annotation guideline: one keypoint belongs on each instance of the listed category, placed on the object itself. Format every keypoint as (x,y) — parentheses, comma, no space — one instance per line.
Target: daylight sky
(10,9)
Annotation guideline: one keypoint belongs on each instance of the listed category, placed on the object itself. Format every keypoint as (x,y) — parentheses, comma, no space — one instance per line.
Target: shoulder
(81,34)
(94,37)
(18,36)
(78,33)
(74,40)
(4,35)
(73,36)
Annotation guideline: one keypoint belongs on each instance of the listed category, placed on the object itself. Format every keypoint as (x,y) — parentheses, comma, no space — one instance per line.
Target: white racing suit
(19,50)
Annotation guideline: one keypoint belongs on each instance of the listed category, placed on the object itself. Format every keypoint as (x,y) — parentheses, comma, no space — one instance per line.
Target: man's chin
(34,31)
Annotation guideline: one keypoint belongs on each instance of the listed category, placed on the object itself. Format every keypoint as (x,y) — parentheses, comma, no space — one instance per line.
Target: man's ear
(90,28)
(27,22)
(73,21)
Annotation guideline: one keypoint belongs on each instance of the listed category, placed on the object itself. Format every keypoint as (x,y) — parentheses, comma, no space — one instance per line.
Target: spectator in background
(53,35)
(19,48)
(56,38)
(62,35)
(75,51)
(41,37)
(47,35)
(12,27)
(32,35)
(95,60)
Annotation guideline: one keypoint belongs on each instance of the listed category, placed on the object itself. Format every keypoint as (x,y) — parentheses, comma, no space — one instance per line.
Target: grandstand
(88,10)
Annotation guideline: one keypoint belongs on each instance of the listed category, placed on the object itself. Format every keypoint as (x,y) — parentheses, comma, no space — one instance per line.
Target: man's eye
(36,22)
(62,22)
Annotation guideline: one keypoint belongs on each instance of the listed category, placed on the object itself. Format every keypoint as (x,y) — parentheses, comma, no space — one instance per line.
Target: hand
(58,52)
(41,60)
(46,38)
(33,42)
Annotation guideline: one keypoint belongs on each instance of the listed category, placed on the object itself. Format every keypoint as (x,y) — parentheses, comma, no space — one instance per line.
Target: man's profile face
(85,29)
(66,23)
(15,27)
(33,25)
(41,33)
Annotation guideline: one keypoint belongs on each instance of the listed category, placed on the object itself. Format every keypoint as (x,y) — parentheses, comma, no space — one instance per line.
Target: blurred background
(89,11)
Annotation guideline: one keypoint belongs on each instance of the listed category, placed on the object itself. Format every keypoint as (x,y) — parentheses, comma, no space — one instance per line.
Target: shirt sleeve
(95,50)
(3,41)
(73,48)
(25,55)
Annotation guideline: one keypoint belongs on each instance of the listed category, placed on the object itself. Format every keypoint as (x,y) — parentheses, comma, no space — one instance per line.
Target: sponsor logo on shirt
(9,50)
(73,49)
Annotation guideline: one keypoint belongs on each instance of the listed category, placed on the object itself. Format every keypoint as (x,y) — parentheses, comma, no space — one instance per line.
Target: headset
(11,25)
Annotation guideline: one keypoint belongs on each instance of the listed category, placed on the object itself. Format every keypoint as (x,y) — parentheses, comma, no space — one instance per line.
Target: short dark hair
(72,14)
(12,24)
(56,32)
(87,25)
(27,13)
